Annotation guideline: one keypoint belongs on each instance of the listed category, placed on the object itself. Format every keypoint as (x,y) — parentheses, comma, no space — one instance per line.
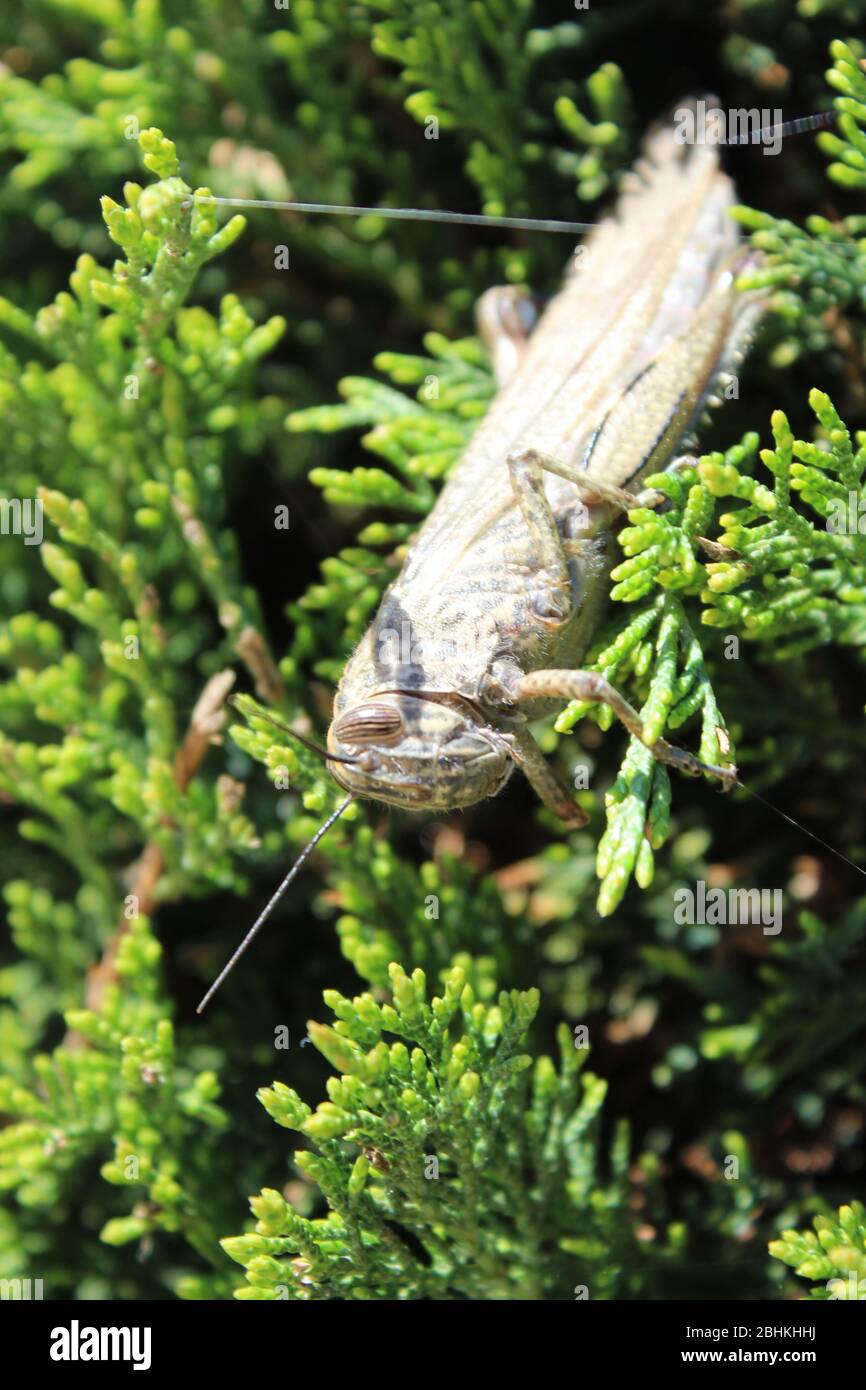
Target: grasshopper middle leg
(551,581)
(527,469)
(532,464)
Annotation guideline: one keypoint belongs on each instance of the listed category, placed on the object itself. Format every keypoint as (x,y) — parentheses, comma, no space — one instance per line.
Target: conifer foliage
(533,1080)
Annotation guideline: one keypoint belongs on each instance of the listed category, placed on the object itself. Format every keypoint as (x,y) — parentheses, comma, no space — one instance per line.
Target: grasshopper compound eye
(371,723)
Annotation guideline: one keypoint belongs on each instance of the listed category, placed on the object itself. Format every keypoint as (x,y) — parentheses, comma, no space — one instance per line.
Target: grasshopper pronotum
(504,584)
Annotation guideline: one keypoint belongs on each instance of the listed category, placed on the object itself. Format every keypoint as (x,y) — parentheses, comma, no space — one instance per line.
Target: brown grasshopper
(497,601)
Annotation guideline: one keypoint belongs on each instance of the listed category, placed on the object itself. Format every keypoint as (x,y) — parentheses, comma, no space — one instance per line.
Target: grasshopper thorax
(417,751)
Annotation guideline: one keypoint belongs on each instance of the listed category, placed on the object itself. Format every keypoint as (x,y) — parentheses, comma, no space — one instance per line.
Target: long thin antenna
(467,219)
(266,911)
(798,126)
(802,828)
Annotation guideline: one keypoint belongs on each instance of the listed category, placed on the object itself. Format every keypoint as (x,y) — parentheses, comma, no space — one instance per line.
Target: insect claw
(727,776)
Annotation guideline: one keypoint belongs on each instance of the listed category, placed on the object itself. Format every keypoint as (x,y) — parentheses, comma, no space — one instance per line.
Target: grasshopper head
(417,753)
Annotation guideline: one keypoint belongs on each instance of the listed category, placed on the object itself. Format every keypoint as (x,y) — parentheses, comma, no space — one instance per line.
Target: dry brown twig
(207,721)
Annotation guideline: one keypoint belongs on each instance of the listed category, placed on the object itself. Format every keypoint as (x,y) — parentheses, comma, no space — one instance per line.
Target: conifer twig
(207,720)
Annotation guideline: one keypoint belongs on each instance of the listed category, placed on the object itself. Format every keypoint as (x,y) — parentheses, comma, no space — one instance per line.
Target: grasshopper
(499,596)
(493,610)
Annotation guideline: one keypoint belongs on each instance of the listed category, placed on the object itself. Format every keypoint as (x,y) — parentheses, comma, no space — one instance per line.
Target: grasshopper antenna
(464,219)
(268,909)
(799,126)
(804,829)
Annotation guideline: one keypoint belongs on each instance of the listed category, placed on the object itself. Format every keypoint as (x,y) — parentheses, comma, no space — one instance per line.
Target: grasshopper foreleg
(589,685)
(544,781)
